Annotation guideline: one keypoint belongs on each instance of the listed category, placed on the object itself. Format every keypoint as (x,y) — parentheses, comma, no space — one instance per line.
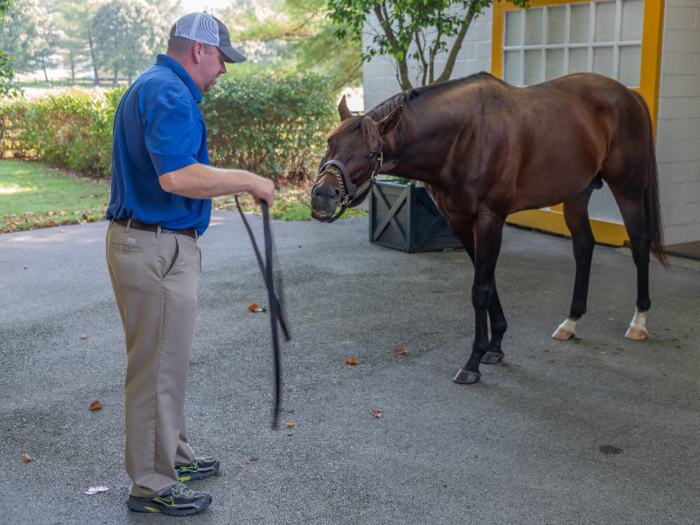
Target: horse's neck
(413,158)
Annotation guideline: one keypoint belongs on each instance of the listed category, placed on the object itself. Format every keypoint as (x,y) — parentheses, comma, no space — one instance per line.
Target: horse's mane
(407,126)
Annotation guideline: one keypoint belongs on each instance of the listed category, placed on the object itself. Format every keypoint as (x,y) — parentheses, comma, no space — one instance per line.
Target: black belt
(138,225)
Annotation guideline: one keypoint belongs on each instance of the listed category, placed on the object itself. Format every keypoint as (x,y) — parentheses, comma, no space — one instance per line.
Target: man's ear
(388,123)
(343,110)
(197,51)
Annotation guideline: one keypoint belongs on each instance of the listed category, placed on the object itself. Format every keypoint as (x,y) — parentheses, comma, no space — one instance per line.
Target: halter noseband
(349,191)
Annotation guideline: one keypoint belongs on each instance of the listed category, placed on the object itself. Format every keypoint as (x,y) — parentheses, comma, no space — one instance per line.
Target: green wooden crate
(404,217)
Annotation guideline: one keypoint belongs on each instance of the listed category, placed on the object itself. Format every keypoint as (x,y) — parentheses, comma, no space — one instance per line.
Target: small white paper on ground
(91,491)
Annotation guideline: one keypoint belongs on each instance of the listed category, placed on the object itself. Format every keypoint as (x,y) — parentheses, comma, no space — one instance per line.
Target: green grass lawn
(33,195)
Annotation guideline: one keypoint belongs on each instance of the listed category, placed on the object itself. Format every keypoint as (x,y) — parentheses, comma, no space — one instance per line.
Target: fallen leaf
(91,491)
(351,361)
(26,458)
(400,350)
(84,336)
(96,405)
(377,413)
(255,308)
(291,424)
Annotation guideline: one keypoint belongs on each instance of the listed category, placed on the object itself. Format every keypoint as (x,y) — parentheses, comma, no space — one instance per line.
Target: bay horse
(486,149)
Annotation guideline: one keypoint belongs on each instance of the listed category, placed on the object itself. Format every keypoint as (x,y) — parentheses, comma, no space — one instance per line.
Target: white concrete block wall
(379,74)
(678,125)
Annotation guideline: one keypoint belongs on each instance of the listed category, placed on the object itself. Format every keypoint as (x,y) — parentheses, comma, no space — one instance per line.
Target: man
(161,189)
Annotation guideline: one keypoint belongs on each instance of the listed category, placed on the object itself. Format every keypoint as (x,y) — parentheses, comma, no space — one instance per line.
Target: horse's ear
(388,123)
(343,109)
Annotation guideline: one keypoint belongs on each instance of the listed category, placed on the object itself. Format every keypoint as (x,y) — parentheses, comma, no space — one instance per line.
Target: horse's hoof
(563,334)
(465,377)
(491,358)
(636,334)
(565,331)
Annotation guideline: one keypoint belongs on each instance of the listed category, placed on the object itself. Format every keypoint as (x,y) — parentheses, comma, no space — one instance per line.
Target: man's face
(213,65)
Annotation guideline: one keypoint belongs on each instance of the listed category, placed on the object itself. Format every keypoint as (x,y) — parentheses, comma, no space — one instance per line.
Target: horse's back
(568,130)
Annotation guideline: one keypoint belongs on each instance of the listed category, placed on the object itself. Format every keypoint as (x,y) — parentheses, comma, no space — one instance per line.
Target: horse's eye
(372,155)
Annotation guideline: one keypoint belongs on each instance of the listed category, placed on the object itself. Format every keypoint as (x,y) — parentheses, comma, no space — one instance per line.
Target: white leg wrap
(566,330)
(638,328)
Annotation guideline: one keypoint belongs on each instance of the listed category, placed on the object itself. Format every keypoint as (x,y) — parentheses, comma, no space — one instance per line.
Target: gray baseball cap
(202,27)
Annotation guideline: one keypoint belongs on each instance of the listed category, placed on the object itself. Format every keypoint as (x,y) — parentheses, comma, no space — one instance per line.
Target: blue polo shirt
(158,128)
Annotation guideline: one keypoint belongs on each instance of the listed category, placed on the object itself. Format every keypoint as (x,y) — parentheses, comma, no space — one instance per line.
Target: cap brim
(231,54)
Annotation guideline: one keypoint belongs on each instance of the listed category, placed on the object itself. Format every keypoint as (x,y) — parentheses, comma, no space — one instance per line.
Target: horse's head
(352,160)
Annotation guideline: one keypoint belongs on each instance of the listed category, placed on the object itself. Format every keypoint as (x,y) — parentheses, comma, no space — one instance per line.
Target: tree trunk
(383,17)
(92,58)
(43,67)
(449,66)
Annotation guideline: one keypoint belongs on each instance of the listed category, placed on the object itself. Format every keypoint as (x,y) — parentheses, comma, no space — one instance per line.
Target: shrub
(272,125)
(68,128)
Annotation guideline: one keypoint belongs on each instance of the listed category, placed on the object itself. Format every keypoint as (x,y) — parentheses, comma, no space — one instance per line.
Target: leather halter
(350,193)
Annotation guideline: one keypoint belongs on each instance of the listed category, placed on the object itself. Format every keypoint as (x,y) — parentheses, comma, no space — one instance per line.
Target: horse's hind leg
(633,214)
(576,217)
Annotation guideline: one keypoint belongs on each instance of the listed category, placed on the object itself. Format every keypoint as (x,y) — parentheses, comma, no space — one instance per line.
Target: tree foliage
(29,36)
(409,29)
(129,34)
(78,44)
(298,35)
(6,73)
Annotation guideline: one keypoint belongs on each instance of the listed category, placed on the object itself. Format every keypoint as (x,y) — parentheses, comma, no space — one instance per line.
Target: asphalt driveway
(595,430)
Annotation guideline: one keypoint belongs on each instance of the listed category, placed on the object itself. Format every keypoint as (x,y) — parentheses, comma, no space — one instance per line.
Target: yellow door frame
(552,220)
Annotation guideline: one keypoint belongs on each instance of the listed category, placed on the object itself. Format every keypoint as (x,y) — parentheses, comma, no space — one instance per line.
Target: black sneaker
(200,468)
(178,500)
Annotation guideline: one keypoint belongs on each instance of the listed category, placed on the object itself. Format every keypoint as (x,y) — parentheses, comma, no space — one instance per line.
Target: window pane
(630,65)
(513,28)
(554,63)
(580,18)
(632,18)
(578,60)
(605,22)
(556,22)
(511,67)
(603,60)
(533,27)
(533,67)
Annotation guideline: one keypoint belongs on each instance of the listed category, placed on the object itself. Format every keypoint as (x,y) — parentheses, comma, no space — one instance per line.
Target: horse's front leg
(488,235)
(497,319)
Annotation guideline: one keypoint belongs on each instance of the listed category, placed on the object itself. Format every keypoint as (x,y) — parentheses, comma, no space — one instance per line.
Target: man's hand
(265,191)
(199,181)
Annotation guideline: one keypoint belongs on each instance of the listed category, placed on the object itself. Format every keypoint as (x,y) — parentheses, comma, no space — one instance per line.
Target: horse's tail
(652,208)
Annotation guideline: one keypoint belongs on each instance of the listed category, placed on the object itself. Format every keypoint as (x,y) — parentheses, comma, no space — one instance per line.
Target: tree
(6,73)
(416,30)
(76,24)
(29,36)
(126,36)
(299,34)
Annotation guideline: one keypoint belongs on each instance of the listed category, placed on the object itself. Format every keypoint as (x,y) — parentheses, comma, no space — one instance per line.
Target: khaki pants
(155,278)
